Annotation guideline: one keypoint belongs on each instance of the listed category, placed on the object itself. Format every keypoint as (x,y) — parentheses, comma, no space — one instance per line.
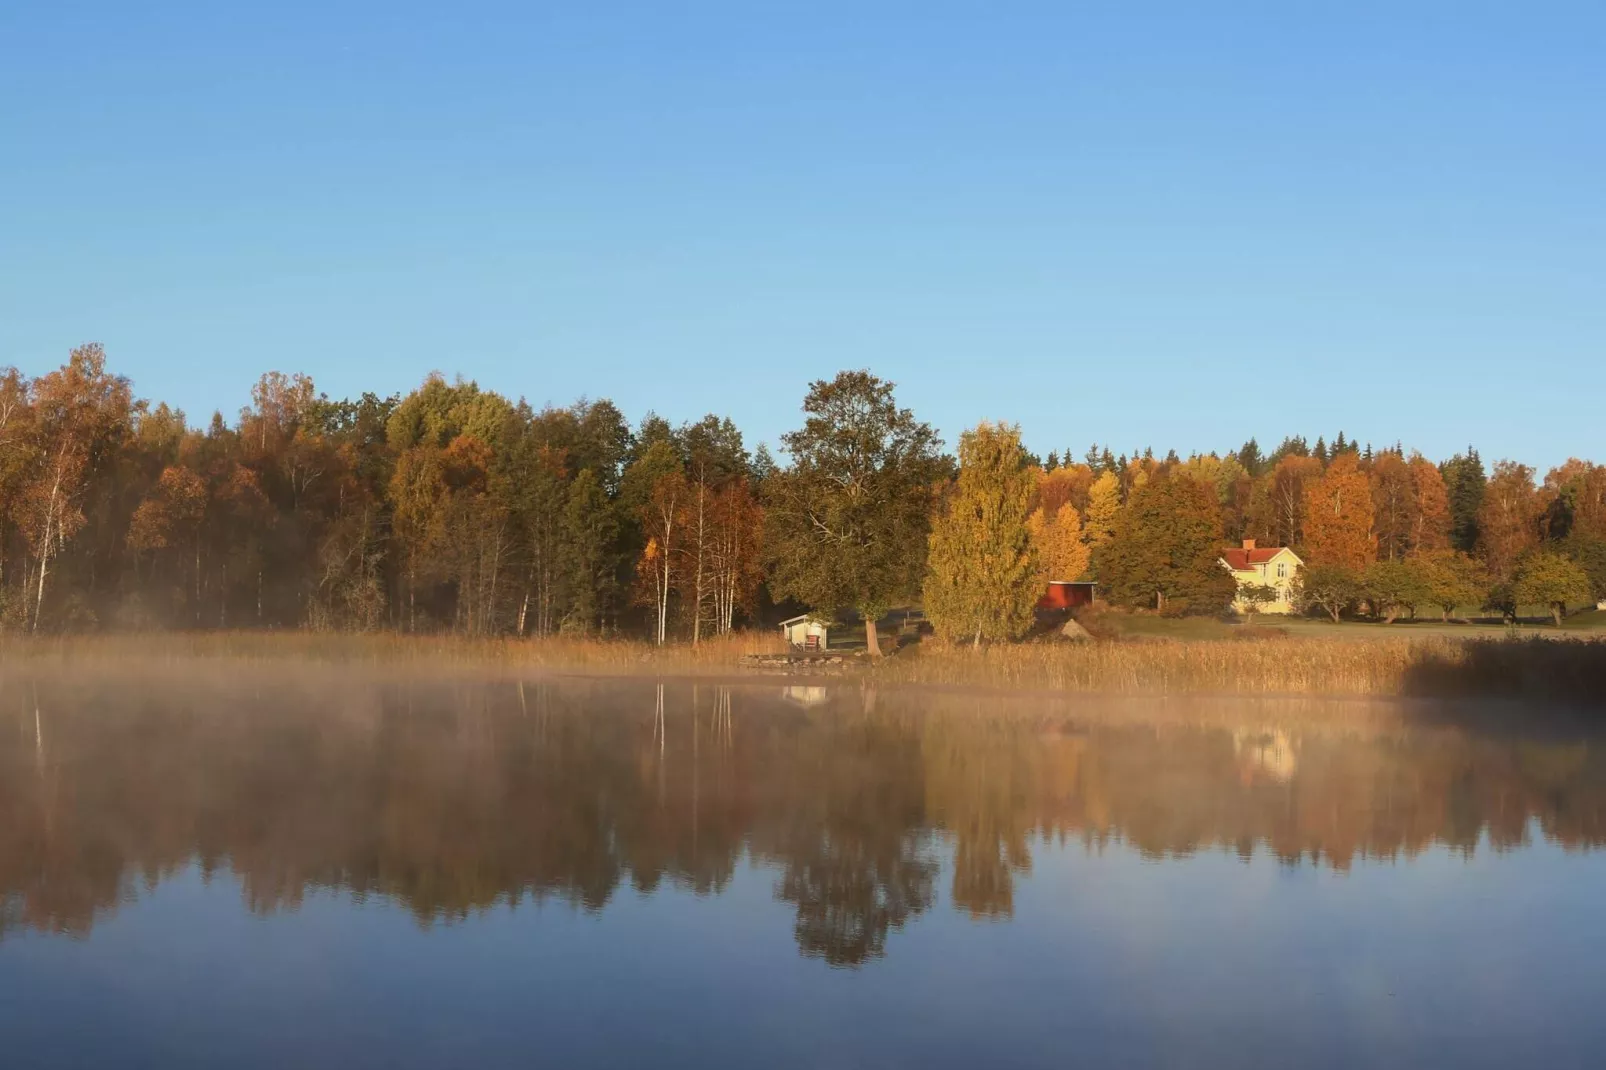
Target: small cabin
(1065,594)
(806,632)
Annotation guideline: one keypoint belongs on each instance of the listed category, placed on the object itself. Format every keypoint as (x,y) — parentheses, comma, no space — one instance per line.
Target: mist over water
(266,868)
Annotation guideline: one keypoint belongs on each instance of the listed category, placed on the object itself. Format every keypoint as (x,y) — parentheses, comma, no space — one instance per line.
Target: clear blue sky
(1149,224)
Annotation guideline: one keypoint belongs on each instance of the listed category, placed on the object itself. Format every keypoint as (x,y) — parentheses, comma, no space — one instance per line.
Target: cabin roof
(1240,560)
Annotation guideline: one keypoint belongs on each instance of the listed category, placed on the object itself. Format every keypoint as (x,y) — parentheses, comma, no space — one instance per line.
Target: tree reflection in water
(454,797)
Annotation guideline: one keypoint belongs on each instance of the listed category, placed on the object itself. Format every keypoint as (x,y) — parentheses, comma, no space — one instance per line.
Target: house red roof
(1241,560)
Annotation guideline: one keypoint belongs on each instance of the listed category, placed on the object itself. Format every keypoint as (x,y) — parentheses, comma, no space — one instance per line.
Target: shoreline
(1570,672)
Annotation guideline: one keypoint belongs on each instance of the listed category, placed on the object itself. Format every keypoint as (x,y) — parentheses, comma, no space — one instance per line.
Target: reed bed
(716,656)
(1544,669)
(1571,671)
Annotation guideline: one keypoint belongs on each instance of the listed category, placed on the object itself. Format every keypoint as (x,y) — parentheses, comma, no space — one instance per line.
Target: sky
(1141,224)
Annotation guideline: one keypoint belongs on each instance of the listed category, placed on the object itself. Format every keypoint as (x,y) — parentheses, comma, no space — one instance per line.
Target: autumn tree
(78,413)
(982,578)
(172,515)
(1508,519)
(418,497)
(1166,551)
(715,457)
(848,519)
(1430,507)
(1339,514)
(1552,580)
(1286,498)
(1062,553)
(1058,486)
(1103,510)
(16,454)
(1577,499)
(735,554)
(662,516)
(1393,506)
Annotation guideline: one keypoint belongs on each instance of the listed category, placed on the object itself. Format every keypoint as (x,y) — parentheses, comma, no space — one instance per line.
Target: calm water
(339,872)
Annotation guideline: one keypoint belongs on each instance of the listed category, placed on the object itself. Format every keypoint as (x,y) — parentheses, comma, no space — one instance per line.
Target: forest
(455,509)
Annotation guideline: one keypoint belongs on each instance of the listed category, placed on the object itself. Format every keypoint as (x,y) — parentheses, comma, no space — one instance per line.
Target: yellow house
(1271,566)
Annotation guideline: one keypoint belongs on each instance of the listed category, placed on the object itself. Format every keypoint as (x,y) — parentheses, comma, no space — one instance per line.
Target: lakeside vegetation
(1180,657)
(454,511)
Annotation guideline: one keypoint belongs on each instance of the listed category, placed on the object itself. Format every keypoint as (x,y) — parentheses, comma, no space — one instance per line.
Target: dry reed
(719,655)
(1572,671)
(1523,668)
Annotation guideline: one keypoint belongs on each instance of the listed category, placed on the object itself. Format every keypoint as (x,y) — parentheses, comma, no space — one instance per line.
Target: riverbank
(1570,671)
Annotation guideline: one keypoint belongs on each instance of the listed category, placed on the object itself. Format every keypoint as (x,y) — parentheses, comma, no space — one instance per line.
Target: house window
(1282,570)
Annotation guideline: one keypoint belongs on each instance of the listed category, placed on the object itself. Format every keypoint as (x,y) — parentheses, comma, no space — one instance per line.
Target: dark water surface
(260,872)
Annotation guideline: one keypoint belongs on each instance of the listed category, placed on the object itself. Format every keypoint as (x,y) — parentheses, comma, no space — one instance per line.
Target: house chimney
(1249,544)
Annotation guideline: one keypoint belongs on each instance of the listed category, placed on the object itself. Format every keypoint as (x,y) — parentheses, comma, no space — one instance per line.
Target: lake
(271,868)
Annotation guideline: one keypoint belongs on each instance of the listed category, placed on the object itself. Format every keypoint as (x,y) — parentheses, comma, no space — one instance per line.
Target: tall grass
(1573,671)
(1536,668)
(603,656)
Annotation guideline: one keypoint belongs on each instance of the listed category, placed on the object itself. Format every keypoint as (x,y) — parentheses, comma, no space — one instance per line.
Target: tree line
(455,508)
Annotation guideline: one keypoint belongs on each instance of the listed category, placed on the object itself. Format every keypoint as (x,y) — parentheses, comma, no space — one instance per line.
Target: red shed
(1062,594)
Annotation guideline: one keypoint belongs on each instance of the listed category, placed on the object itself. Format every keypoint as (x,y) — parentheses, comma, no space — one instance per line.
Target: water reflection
(454,797)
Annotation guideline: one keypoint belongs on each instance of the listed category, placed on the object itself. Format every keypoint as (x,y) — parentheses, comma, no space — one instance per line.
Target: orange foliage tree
(1508,520)
(1339,514)
(1430,514)
(1393,505)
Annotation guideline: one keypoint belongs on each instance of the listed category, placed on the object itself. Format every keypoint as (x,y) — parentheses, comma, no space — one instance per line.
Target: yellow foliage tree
(982,571)
(1061,553)
(1103,508)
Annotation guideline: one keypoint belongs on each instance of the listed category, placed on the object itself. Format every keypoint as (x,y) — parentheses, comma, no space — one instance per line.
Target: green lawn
(1593,620)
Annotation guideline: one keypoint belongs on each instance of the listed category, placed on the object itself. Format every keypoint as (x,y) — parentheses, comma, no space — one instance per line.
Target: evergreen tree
(591,529)
(763,465)
(1249,456)
(1166,552)
(1320,452)
(1464,481)
(982,577)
